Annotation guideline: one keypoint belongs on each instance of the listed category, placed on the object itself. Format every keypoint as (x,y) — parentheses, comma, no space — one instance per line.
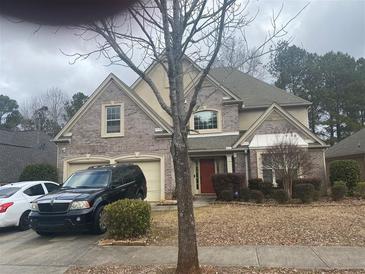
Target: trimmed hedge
(127,218)
(281,196)
(227,182)
(266,188)
(227,195)
(360,189)
(347,171)
(316,182)
(304,192)
(316,195)
(255,183)
(257,196)
(339,190)
(39,172)
(244,194)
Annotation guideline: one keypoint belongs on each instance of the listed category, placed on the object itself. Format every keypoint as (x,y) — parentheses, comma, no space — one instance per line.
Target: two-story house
(236,119)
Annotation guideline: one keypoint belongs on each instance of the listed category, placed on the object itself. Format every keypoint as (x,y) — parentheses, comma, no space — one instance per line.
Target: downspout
(326,180)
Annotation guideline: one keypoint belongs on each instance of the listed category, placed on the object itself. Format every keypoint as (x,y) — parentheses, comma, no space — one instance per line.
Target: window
(51,187)
(206,120)
(112,120)
(88,179)
(7,192)
(34,190)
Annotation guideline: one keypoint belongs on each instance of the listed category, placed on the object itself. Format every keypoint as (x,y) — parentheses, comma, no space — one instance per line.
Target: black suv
(79,203)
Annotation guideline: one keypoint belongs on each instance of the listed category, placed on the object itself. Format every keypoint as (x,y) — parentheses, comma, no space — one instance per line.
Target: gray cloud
(30,63)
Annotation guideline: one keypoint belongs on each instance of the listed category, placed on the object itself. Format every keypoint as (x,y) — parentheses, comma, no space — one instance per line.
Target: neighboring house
(350,148)
(21,148)
(237,117)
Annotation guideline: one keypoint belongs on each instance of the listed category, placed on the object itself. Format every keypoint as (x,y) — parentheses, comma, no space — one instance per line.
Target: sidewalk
(302,257)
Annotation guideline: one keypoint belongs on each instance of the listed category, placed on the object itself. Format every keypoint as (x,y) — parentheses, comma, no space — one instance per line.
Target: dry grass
(219,225)
(205,270)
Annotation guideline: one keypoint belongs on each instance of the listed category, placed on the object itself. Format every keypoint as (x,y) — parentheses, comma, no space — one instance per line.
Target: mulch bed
(319,224)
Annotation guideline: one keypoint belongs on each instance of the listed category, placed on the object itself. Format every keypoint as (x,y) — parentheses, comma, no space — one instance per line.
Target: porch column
(229,163)
(246,167)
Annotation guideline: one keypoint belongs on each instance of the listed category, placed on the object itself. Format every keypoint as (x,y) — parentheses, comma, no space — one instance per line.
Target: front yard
(222,224)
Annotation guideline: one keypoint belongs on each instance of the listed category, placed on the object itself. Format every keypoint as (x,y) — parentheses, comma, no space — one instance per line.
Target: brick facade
(138,135)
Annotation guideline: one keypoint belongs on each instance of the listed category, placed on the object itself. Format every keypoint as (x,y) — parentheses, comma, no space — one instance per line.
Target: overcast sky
(31,62)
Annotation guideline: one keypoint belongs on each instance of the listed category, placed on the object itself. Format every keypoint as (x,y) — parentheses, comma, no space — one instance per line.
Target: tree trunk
(188,252)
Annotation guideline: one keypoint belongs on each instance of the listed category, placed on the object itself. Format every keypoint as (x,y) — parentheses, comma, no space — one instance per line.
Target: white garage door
(152,172)
(73,167)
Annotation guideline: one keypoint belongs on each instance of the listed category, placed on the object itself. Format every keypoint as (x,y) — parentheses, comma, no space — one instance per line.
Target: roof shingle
(352,145)
(254,92)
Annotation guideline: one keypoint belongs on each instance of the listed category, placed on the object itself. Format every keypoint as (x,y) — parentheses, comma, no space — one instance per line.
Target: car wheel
(99,221)
(44,233)
(24,223)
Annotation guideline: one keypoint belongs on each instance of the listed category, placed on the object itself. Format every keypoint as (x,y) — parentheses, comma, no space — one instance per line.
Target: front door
(207,170)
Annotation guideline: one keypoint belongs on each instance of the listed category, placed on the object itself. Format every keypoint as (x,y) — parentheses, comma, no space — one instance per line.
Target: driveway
(29,253)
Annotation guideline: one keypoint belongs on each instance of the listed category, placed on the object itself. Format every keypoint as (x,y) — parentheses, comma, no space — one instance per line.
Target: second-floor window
(112,120)
(206,120)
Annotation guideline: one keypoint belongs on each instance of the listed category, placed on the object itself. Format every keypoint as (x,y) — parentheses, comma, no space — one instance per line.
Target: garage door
(73,167)
(152,172)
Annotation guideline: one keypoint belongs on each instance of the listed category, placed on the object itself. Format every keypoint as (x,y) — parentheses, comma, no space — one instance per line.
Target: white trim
(208,130)
(286,115)
(231,133)
(103,122)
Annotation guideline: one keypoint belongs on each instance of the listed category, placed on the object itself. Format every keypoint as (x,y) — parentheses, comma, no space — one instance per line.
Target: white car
(16,198)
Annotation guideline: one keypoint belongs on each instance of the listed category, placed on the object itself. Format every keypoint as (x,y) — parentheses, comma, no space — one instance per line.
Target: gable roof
(253,92)
(352,145)
(290,118)
(134,97)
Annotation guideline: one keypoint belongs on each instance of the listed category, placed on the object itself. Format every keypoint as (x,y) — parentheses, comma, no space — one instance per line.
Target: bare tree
(167,32)
(289,161)
(50,106)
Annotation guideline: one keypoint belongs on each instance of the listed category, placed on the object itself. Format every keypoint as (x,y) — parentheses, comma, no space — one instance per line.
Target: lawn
(219,225)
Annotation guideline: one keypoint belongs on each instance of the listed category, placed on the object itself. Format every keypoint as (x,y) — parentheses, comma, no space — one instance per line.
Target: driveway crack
(319,256)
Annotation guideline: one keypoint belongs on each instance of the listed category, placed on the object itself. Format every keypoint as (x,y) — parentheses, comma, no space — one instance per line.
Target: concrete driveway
(26,252)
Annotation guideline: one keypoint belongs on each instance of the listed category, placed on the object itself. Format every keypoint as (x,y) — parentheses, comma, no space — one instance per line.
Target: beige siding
(248,117)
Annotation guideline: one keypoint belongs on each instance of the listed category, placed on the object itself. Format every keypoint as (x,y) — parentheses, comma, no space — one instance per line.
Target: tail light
(4,207)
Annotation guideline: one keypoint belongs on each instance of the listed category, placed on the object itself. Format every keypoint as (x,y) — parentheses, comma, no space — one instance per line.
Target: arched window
(206,120)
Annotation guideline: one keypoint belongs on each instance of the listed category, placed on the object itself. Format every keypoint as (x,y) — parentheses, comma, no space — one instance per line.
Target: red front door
(206,172)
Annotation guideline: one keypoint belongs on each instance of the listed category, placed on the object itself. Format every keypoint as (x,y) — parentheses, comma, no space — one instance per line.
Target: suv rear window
(6,192)
(88,179)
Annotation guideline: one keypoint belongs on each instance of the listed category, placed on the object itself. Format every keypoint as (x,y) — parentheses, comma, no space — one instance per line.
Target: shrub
(339,190)
(347,171)
(127,218)
(244,194)
(227,182)
(254,184)
(227,195)
(257,196)
(39,172)
(281,196)
(279,184)
(360,189)
(304,192)
(266,188)
(316,182)
(316,195)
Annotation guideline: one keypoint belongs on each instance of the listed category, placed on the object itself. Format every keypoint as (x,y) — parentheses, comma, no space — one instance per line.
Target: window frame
(208,130)
(104,133)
